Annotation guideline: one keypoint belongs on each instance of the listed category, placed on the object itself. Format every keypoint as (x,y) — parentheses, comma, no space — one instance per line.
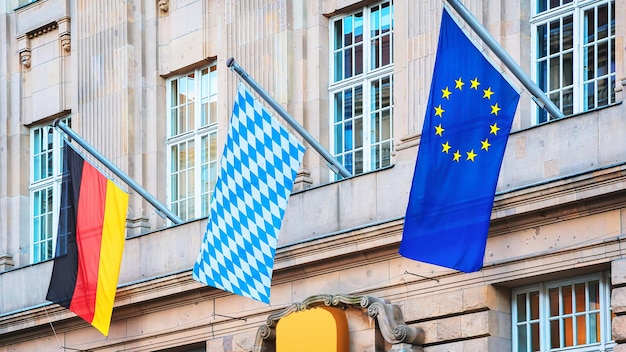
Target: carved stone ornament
(388,316)
(25,58)
(164,5)
(66,43)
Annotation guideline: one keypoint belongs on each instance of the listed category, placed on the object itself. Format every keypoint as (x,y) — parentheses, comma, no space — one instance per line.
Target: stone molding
(388,316)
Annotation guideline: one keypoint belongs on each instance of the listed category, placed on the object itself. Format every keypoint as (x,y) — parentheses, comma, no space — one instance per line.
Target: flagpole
(117,171)
(539,95)
(333,163)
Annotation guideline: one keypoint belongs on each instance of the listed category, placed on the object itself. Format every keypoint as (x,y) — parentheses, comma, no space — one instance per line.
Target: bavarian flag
(90,242)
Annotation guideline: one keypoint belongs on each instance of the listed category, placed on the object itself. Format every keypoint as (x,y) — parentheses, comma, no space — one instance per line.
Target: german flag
(90,242)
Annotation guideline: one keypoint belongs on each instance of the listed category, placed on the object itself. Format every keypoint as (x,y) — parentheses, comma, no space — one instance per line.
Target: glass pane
(589,27)
(581,297)
(555,73)
(375,128)
(589,95)
(338,66)
(358,101)
(338,106)
(603,59)
(581,330)
(174,187)
(348,72)
(182,119)
(534,305)
(594,328)
(192,113)
(375,95)
(338,35)
(568,69)
(567,299)
(594,289)
(358,168)
(173,93)
(555,37)
(568,101)
(542,75)
(603,21)
(338,139)
(375,156)
(347,107)
(347,132)
(554,3)
(347,31)
(603,92)
(174,158)
(554,301)
(358,59)
(589,62)
(534,338)
(522,337)
(568,33)
(555,334)
(521,307)
(542,41)
(213,111)
(569,332)
(386,125)
(358,133)
(542,5)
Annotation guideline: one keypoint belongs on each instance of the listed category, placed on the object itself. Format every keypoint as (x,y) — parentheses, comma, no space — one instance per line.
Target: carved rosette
(389,318)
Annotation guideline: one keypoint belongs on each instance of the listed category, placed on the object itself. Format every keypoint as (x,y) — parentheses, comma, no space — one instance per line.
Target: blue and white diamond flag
(259,165)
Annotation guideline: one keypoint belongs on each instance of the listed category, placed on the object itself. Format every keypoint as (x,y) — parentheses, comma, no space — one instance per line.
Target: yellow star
(439,111)
(475,83)
(495,109)
(446,147)
(446,93)
(494,129)
(487,93)
(485,144)
(471,155)
(459,83)
(456,156)
(439,130)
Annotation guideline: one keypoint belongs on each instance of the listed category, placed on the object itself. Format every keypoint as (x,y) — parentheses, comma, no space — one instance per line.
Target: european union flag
(466,127)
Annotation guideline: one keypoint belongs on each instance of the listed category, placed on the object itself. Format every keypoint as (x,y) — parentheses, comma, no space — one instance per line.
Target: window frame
(543,289)
(51,183)
(576,9)
(199,195)
(381,131)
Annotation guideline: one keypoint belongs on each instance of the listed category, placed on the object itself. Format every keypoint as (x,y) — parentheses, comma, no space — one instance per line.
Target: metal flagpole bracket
(161,209)
(508,61)
(334,165)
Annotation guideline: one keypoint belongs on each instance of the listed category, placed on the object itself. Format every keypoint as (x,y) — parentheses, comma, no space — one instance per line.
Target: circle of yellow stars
(446,147)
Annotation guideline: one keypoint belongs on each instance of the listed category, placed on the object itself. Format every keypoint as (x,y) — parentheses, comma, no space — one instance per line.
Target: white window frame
(52,183)
(365,80)
(196,192)
(605,344)
(575,8)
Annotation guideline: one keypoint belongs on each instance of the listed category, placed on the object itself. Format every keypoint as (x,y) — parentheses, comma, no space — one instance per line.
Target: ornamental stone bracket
(164,5)
(403,338)
(23,44)
(64,35)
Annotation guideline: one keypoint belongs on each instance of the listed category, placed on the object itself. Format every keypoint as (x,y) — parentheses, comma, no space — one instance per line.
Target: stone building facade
(145,82)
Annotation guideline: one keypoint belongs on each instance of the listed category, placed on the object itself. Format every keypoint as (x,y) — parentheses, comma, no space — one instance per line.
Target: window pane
(522,337)
(555,334)
(589,26)
(569,332)
(568,33)
(567,299)
(594,292)
(589,95)
(555,73)
(581,330)
(554,301)
(534,305)
(534,339)
(555,37)
(581,297)
(542,41)
(521,307)
(603,21)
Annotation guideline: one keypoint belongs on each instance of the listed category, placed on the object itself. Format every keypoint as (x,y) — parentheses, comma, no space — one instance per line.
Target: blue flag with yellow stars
(466,127)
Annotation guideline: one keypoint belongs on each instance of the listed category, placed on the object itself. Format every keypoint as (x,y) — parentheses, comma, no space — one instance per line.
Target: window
(574,51)
(45,188)
(572,315)
(361,88)
(192,141)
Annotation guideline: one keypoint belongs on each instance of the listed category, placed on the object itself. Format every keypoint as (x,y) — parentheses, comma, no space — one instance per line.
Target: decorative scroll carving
(389,318)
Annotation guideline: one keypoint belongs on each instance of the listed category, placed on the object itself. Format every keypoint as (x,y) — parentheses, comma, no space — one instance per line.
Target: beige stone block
(448,347)
(476,324)
(620,348)
(433,306)
(449,328)
(618,328)
(618,300)
(618,272)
